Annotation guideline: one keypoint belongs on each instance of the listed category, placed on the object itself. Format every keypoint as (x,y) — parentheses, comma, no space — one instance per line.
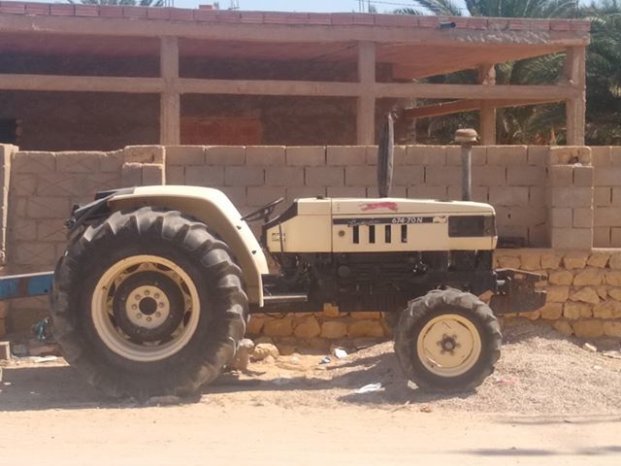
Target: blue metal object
(26,285)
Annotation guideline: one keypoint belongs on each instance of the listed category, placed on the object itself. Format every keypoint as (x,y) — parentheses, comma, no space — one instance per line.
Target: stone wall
(547,197)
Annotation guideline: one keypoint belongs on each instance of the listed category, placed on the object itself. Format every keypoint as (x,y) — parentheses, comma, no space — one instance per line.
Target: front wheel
(447,340)
(148,302)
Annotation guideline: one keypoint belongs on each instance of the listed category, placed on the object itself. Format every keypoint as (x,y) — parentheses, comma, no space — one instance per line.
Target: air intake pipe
(466,137)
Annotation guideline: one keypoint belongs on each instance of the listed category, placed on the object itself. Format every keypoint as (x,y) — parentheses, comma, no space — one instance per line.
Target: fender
(213,208)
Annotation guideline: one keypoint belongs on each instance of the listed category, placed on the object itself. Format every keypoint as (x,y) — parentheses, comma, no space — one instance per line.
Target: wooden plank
(41,82)
(283,33)
(265,87)
(365,110)
(170,104)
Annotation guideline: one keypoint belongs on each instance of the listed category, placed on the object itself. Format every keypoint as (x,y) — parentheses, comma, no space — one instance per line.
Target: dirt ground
(550,401)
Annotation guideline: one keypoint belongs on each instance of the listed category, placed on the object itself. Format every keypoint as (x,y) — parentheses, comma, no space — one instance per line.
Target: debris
(325,360)
(426,409)
(244,349)
(164,400)
(590,347)
(20,350)
(280,381)
(263,350)
(339,353)
(612,354)
(370,388)
(597,368)
(5,351)
(42,330)
(41,359)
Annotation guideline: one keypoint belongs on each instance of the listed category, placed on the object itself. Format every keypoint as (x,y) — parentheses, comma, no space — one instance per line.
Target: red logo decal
(379,205)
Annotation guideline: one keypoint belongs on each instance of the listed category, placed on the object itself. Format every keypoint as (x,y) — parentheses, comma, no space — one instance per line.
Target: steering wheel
(263,213)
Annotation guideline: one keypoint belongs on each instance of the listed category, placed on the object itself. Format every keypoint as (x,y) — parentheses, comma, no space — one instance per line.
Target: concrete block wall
(548,196)
(607,196)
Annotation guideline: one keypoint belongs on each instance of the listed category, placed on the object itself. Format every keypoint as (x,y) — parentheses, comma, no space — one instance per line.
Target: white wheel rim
(114,338)
(449,345)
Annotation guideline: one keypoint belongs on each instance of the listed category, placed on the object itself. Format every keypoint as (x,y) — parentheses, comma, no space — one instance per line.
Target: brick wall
(547,196)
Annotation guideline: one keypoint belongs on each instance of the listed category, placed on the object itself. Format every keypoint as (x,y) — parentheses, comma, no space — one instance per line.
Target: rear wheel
(148,302)
(447,340)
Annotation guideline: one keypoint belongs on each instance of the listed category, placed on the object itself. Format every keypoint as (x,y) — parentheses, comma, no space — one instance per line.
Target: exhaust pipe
(466,137)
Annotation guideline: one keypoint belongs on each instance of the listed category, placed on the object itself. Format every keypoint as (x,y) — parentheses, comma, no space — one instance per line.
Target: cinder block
(536,196)
(479,193)
(324,176)
(538,236)
(305,156)
(33,162)
(204,176)
(237,195)
(602,237)
(607,217)
(602,197)
(428,192)
(583,176)
(508,196)
(175,174)
(345,155)
(616,196)
(561,217)
(77,162)
(606,176)
(144,154)
(489,176)
(362,175)
(261,195)
(225,155)
(51,230)
(407,176)
(507,155)
(347,191)
(520,216)
(615,156)
(244,176)
(560,175)
(400,155)
(526,176)
(583,217)
(304,191)
(23,184)
(131,174)
(478,155)
(185,155)
(572,238)
(571,197)
(35,253)
(601,156)
(427,156)
(111,161)
(23,229)
(265,155)
(284,176)
(47,207)
(569,155)
(538,155)
(615,237)
(442,176)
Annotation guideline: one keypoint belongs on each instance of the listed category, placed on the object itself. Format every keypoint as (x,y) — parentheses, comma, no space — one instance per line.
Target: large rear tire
(148,302)
(447,340)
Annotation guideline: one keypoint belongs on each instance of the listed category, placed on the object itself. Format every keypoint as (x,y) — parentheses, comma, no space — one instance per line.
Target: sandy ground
(550,401)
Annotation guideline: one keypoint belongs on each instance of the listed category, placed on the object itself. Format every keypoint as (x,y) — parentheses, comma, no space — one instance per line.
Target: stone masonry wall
(549,197)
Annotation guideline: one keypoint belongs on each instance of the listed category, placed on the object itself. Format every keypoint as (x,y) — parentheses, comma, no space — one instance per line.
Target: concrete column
(365,119)
(487,114)
(570,190)
(170,105)
(575,108)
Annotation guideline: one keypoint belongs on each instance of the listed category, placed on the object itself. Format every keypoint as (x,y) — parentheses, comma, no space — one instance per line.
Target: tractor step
(286,298)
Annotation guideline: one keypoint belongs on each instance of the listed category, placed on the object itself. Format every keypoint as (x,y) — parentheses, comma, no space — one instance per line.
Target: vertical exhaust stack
(466,137)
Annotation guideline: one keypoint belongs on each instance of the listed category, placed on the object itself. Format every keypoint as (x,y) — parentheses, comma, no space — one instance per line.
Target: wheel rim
(449,345)
(142,319)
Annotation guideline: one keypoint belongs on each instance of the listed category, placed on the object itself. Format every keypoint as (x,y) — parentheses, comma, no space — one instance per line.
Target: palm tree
(514,125)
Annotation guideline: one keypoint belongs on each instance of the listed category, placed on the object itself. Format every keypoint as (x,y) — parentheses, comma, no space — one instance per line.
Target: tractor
(155,288)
